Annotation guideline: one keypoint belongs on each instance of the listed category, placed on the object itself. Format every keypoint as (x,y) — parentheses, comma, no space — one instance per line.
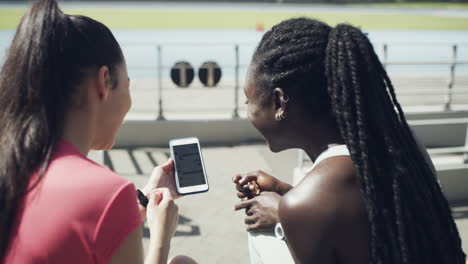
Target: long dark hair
(336,71)
(49,57)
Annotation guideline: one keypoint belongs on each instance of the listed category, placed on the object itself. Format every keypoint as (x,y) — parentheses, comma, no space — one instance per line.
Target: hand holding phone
(190,174)
(162,176)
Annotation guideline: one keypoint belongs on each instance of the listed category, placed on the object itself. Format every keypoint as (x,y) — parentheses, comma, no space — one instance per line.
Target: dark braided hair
(335,71)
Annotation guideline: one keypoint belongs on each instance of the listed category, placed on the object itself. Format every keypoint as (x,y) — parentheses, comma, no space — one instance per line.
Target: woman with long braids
(64,91)
(372,195)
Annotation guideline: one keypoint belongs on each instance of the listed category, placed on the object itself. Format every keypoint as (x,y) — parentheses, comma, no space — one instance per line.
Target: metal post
(183,74)
(465,151)
(160,69)
(210,74)
(448,100)
(385,55)
(235,115)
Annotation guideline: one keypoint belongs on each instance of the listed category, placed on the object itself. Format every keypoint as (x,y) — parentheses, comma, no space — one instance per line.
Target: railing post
(385,55)
(106,160)
(448,100)
(160,100)
(235,114)
(465,154)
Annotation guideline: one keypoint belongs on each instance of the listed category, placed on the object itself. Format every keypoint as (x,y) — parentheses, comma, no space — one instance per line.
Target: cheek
(111,120)
(121,111)
(259,118)
(253,115)
(127,104)
(250,114)
(121,108)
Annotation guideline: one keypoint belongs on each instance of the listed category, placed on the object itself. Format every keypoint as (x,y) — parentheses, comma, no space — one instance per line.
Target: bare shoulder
(325,187)
(326,203)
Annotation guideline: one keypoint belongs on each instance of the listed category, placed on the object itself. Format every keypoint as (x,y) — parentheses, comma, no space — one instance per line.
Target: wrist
(282,188)
(158,243)
(142,211)
(157,253)
(146,190)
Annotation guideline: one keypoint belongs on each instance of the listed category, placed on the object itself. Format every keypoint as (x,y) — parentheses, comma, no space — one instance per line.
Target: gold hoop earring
(277,117)
(280,116)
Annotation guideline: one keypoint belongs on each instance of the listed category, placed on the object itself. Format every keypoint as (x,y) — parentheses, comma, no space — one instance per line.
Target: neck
(78,131)
(318,138)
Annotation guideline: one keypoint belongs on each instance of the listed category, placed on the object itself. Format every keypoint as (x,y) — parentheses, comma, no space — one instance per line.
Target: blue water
(197,46)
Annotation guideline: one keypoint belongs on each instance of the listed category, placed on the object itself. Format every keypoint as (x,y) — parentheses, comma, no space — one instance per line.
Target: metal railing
(161,68)
(237,65)
(428,125)
(452,64)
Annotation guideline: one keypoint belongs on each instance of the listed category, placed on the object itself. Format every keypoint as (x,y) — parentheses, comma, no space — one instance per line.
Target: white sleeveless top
(335,151)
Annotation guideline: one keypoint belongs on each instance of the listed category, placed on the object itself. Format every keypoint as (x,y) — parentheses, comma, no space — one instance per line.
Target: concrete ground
(209,229)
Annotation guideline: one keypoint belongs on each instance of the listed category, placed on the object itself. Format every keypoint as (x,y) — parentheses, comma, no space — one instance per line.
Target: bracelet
(279,232)
(142,198)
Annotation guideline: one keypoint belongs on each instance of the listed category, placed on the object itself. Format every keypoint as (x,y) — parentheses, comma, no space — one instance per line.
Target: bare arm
(157,254)
(250,184)
(131,251)
(318,214)
(308,221)
(162,215)
(283,188)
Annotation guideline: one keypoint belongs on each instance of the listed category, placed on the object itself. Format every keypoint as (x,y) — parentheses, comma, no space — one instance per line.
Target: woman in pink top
(65,91)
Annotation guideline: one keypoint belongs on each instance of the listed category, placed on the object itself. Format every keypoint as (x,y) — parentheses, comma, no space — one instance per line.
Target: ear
(103,83)
(281,99)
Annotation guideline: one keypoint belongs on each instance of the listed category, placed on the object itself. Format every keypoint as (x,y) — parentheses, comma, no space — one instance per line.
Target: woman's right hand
(251,184)
(162,215)
(162,177)
(261,211)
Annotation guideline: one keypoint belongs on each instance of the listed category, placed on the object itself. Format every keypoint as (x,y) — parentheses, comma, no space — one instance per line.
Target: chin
(274,148)
(103,145)
(109,146)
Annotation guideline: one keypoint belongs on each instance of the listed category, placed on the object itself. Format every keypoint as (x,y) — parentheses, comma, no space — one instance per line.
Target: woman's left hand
(162,215)
(162,177)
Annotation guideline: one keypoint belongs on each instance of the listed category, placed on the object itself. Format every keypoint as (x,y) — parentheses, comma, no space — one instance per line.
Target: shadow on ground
(151,158)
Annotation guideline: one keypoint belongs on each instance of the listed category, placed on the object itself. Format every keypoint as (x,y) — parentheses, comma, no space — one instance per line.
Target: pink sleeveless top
(80,212)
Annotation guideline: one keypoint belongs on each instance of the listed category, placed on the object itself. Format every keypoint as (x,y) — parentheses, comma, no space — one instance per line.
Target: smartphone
(190,173)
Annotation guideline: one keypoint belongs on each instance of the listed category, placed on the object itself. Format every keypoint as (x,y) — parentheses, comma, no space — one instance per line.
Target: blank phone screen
(188,165)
